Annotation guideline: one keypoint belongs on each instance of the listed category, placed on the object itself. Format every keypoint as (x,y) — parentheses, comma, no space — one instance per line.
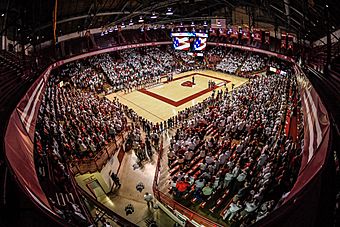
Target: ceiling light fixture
(153,16)
(169,12)
(205,24)
(192,24)
(123,25)
(131,22)
(141,20)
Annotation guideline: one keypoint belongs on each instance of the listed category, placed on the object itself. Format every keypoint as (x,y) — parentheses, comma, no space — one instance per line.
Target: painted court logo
(187,84)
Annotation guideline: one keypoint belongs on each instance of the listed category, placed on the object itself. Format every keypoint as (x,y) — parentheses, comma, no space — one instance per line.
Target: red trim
(186,99)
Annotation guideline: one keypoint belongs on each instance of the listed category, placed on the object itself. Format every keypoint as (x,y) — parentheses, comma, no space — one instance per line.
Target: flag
(200,43)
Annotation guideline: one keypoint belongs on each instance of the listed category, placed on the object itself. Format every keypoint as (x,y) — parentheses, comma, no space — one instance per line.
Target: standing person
(149,199)
(148,147)
(193,79)
(116,180)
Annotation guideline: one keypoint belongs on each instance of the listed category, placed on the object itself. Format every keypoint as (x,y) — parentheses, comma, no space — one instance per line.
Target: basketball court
(162,101)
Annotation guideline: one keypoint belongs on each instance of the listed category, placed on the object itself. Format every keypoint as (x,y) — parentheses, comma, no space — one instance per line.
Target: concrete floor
(130,177)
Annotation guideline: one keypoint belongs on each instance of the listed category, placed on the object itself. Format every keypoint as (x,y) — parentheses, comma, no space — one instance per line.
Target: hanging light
(162,26)
(116,28)
(110,30)
(192,24)
(155,28)
(205,24)
(169,12)
(141,20)
(219,23)
(102,34)
(181,25)
(142,29)
(148,28)
(131,22)
(153,16)
(123,25)
(105,32)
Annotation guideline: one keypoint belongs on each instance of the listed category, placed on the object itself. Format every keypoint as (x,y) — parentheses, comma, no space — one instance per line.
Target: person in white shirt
(236,170)
(199,183)
(242,176)
(149,199)
(209,159)
(222,158)
(233,209)
(227,179)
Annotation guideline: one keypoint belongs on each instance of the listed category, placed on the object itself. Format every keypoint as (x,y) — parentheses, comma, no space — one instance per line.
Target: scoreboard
(189,41)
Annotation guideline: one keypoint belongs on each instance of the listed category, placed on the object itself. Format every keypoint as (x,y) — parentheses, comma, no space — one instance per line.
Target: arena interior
(169,113)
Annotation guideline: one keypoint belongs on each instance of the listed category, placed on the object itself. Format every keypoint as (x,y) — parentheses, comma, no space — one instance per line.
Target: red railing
(167,200)
(96,163)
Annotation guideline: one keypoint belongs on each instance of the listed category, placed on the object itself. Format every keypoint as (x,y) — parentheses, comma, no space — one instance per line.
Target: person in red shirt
(181,187)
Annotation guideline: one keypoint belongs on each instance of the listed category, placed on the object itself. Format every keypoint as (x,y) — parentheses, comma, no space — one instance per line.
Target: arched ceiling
(23,20)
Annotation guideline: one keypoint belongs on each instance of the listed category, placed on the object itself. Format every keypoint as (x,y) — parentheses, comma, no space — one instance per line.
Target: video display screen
(189,41)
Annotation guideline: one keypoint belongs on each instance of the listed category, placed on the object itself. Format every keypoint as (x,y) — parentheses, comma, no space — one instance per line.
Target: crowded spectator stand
(235,209)
(187,171)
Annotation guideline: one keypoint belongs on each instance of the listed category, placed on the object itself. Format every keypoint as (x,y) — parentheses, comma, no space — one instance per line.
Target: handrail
(163,198)
(116,217)
(84,209)
(91,164)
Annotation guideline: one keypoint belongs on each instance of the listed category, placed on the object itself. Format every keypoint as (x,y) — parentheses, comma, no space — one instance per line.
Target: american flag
(181,43)
(200,43)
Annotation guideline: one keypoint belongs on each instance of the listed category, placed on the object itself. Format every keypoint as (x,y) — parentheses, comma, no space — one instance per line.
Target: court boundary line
(186,99)
(140,107)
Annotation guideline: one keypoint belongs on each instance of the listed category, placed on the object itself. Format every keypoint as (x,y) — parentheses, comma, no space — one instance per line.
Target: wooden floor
(165,100)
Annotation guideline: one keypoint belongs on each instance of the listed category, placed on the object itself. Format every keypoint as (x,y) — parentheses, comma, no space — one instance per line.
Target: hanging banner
(283,40)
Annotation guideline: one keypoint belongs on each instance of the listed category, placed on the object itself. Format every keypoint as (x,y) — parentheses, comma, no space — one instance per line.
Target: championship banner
(213,32)
(267,37)
(290,41)
(257,35)
(234,33)
(246,34)
(223,32)
(283,40)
